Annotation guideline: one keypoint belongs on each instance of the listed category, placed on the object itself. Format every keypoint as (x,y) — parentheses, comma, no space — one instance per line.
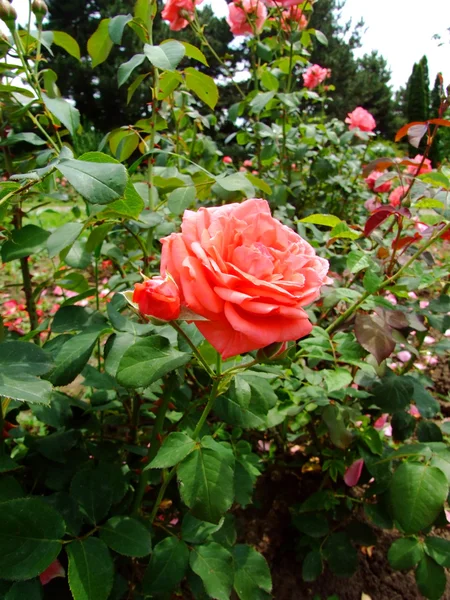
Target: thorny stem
(199,357)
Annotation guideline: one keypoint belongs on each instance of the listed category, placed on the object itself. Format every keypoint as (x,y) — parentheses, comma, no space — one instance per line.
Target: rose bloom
(227,160)
(246,273)
(293,18)
(176,11)
(362,119)
(315,75)
(425,168)
(371,181)
(372,203)
(242,14)
(396,196)
(158,297)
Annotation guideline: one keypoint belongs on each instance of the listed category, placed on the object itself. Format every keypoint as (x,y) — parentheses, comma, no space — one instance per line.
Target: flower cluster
(179,12)
(361,119)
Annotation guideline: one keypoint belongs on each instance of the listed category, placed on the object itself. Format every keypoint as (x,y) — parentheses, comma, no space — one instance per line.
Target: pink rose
(372,203)
(397,195)
(246,273)
(315,75)
(177,12)
(227,160)
(353,473)
(425,168)
(158,297)
(380,188)
(293,19)
(246,17)
(247,163)
(361,119)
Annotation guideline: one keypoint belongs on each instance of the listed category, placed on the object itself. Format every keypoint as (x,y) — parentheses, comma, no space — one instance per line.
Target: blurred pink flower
(176,11)
(396,196)
(315,75)
(404,355)
(414,411)
(371,181)
(246,17)
(362,119)
(426,167)
(227,160)
(423,303)
(293,18)
(247,163)
(372,203)
(428,339)
(353,473)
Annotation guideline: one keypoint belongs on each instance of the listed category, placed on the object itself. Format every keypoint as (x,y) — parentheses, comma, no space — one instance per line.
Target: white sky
(401,30)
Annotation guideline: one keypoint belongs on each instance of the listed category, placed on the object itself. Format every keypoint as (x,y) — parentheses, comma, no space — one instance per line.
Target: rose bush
(245,272)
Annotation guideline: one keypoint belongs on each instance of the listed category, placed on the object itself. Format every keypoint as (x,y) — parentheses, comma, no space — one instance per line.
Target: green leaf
(98,181)
(195,53)
(252,580)
(206,479)
(73,356)
(30,534)
(357,260)
(67,43)
(29,138)
(337,379)
(22,357)
(131,205)
(174,449)
(23,242)
(63,237)
(148,360)
(168,83)
(237,182)
(127,536)
(100,44)
(442,462)
(167,56)
(427,405)
(341,556)
(258,183)
(123,142)
(134,86)
(195,531)
(240,407)
(214,565)
(371,281)
(127,68)
(321,37)
(261,100)
(203,86)
(431,579)
(417,494)
(116,27)
(439,549)
(29,590)
(10,488)
(312,524)
(319,219)
(405,553)
(90,569)
(25,388)
(167,566)
(77,318)
(97,488)
(312,566)
(339,434)
(64,111)
(180,199)
(393,393)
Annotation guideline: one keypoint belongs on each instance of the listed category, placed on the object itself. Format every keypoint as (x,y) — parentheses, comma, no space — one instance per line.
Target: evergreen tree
(426,83)
(416,95)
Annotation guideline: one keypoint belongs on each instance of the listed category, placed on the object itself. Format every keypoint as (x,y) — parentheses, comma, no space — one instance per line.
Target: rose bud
(158,297)
(8,14)
(39,9)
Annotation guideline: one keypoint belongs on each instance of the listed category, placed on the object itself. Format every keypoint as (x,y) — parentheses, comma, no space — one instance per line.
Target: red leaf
(377,217)
(374,335)
(404,130)
(406,241)
(416,133)
(442,122)
(379,164)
